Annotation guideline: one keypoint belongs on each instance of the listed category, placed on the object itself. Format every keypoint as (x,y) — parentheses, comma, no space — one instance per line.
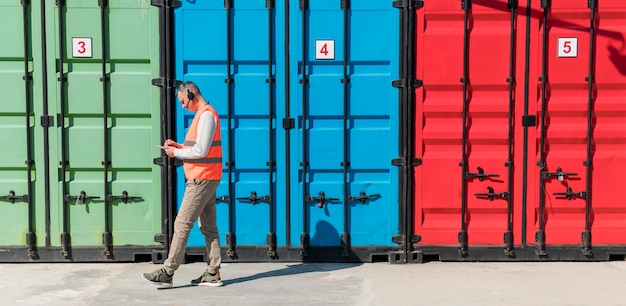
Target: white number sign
(567,47)
(325,49)
(81,47)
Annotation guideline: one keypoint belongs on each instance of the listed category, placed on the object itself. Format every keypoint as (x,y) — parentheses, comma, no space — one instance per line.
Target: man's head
(188,95)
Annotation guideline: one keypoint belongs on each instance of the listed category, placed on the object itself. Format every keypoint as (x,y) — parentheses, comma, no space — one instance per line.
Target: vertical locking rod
(345,237)
(540,235)
(508,236)
(586,234)
(304,237)
(65,235)
(463,237)
(31,240)
(271,236)
(230,236)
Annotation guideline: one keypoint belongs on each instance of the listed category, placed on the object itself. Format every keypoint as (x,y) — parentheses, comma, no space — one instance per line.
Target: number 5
(567,48)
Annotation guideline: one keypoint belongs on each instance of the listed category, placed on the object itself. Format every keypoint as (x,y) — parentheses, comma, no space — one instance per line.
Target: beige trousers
(198,204)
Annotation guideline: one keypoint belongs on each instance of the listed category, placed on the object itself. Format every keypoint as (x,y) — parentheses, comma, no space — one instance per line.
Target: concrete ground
(432,283)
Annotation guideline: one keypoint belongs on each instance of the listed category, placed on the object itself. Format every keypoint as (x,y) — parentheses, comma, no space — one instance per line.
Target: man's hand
(169,151)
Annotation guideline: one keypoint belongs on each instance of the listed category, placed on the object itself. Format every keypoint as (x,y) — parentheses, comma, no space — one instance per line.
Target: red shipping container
(489,171)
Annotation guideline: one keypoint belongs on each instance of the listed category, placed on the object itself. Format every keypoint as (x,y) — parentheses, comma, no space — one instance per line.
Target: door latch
(491,195)
(570,195)
(12,197)
(559,174)
(481,175)
(254,199)
(362,198)
(124,197)
(321,199)
(80,199)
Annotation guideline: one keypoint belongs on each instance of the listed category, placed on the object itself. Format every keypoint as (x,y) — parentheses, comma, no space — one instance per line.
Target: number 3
(82,49)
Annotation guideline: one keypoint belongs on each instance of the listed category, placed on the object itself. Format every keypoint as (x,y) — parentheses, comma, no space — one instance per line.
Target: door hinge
(47,121)
(345,4)
(304,4)
(529,120)
(162,82)
(228,4)
(159,161)
(289,123)
(269,4)
(402,83)
(103,3)
(401,161)
(166,3)
(408,4)
(159,238)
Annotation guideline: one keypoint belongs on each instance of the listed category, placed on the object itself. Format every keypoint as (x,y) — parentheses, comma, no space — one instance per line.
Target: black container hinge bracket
(545,3)
(321,199)
(363,198)
(47,121)
(289,123)
(254,199)
(225,199)
(491,195)
(305,241)
(345,4)
(25,2)
(231,241)
(166,3)
(304,4)
(269,4)
(592,4)
(403,83)
(466,4)
(559,174)
(159,238)
(124,197)
(271,244)
(61,2)
(12,197)
(399,239)
(529,120)
(569,194)
(103,3)
(512,4)
(163,82)
(401,162)
(80,199)
(408,4)
(481,175)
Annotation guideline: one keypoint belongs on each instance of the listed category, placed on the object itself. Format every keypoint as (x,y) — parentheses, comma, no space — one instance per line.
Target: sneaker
(159,277)
(208,279)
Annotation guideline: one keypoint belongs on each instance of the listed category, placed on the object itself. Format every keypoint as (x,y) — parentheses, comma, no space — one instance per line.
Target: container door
(581,116)
(343,61)
(16,127)
(464,111)
(100,64)
(229,49)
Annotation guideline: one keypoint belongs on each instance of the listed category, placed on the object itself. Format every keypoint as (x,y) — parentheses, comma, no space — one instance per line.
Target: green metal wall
(104,115)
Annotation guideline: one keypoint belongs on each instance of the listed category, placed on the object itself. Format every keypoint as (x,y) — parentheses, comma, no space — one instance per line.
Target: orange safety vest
(208,167)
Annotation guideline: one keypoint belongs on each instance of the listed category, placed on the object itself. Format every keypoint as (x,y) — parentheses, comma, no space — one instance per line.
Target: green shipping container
(80,120)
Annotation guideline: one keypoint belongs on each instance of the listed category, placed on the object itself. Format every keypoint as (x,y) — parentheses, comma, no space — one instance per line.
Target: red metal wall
(445,182)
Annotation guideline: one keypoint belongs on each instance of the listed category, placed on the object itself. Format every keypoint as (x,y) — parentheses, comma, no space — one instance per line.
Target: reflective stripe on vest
(208,167)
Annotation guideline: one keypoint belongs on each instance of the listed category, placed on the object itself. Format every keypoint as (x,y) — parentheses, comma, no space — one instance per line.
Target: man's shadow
(325,233)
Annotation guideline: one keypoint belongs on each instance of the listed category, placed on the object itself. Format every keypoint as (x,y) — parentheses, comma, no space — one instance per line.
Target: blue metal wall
(343,109)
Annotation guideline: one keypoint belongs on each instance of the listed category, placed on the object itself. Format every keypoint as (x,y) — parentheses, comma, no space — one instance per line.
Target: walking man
(201,153)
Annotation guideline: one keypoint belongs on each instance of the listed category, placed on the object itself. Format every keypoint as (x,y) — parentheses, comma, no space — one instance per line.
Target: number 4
(324,49)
